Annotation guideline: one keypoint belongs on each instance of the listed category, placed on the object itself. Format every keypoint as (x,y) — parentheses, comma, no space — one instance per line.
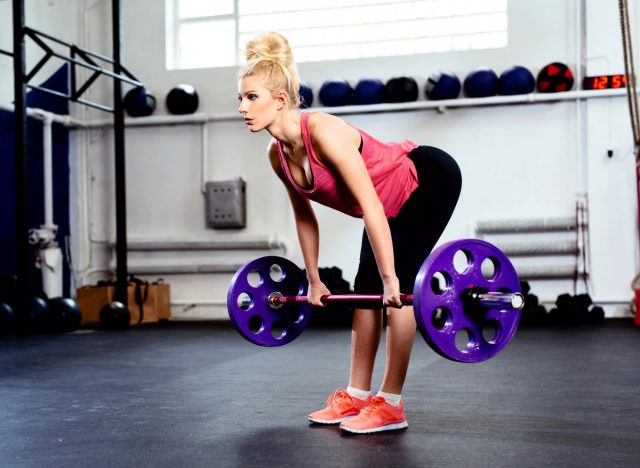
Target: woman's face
(257,105)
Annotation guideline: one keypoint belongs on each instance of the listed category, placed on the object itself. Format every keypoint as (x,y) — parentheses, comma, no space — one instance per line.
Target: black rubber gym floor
(197,394)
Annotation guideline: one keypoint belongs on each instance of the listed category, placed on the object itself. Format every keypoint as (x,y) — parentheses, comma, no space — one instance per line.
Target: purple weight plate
(249,310)
(486,335)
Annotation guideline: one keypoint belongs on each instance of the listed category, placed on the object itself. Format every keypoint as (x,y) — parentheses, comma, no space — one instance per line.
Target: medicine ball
(482,82)
(65,314)
(115,316)
(37,315)
(516,80)
(306,96)
(8,289)
(401,89)
(8,319)
(554,78)
(183,99)
(368,91)
(441,85)
(336,93)
(139,102)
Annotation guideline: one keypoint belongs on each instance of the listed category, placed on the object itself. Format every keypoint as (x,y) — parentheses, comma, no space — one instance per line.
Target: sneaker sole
(388,427)
(331,421)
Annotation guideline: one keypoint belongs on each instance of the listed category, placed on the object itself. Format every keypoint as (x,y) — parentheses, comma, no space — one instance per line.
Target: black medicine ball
(401,89)
(183,99)
(65,313)
(555,78)
(115,316)
(139,102)
(8,319)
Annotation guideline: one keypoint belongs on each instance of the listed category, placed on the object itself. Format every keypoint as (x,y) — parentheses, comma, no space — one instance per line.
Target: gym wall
(518,161)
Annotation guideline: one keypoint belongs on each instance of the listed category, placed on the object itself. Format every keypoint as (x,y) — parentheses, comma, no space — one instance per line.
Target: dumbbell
(466,300)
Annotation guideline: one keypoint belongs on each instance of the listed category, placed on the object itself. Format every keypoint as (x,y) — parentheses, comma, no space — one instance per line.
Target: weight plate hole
(464,340)
(490,268)
(491,331)
(254,278)
(441,318)
(440,282)
(245,301)
(276,273)
(295,315)
(462,260)
(256,324)
(278,331)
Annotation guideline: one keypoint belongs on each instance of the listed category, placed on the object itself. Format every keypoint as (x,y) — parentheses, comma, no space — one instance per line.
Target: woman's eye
(252,96)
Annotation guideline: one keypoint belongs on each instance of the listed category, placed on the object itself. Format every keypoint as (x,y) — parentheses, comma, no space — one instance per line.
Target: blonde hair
(269,56)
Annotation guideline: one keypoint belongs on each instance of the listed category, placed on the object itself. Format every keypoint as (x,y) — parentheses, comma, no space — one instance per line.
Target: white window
(213,33)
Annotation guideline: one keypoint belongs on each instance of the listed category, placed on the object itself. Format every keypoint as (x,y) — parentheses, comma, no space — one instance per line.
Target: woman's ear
(282,98)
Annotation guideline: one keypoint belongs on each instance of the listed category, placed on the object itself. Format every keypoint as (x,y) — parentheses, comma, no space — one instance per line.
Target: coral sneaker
(340,407)
(377,416)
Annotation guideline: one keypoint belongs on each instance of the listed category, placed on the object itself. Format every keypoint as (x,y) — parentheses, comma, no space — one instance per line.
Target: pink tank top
(393,174)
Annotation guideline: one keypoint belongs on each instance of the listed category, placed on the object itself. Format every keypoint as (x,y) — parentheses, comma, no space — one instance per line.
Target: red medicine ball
(555,78)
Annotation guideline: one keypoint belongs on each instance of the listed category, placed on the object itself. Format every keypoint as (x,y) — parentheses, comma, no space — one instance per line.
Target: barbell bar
(484,299)
(466,310)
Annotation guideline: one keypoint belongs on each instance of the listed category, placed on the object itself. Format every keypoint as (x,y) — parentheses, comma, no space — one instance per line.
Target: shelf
(474,102)
(440,106)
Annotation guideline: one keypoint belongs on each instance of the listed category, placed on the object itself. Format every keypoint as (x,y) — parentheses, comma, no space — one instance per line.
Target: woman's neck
(286,129)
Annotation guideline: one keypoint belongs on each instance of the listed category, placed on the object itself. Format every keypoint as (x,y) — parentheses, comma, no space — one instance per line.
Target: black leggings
(419,224)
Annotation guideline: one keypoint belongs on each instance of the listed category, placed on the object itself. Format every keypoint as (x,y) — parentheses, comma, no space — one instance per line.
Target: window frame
(174,23)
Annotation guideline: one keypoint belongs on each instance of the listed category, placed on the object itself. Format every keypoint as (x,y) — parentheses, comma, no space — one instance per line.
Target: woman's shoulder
(321,124)
(322,119)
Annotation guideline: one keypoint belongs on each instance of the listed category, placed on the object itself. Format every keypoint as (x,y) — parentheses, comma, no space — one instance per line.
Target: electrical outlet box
(226,204)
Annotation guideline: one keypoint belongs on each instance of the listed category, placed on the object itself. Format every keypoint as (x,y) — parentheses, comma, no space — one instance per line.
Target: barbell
(466,300)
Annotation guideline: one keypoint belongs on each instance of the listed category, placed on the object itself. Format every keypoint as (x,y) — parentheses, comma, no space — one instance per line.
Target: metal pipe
(61,42)
(117,75)
(119,147)
(204,166)
(95,105)
(48,170)
(42,115)
(35,36)
(526,225)
(267,242)
(21,163)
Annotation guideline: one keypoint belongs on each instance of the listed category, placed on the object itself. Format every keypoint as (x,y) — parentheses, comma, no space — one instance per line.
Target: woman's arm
(335,142)
(307,228)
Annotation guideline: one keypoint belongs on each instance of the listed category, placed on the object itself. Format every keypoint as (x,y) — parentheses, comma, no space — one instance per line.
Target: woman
(405,194)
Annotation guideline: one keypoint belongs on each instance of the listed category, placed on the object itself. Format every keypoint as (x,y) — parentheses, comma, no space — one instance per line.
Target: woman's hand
(317,289)
(391,295)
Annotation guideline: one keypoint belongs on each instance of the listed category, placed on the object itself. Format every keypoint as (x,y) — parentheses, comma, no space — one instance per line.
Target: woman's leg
(401,331)
(366,330)
(416,229)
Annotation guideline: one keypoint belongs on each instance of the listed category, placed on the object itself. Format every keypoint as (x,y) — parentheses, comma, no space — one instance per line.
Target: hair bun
(270,46)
